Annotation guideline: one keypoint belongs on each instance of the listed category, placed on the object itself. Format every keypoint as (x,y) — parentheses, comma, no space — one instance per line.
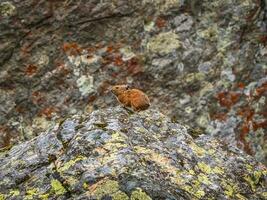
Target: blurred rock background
(203,63)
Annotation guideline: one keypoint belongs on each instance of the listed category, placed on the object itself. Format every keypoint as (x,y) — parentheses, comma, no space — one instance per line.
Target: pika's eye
(127,87)
(116,87)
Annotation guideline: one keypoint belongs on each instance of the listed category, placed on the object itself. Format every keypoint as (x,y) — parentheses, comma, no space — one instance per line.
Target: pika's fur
(134,99)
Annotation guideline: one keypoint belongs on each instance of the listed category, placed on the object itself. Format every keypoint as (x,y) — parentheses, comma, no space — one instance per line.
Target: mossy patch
(139,195)
(57,187)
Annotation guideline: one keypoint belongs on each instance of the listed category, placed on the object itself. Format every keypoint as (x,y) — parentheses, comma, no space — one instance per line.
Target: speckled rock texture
(112,154)
(202,63)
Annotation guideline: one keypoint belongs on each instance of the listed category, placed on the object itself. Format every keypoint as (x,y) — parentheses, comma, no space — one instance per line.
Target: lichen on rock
(7,9)
(164,43)
(113,154)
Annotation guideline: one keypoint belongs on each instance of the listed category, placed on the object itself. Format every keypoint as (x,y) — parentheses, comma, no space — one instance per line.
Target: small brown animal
(134,99)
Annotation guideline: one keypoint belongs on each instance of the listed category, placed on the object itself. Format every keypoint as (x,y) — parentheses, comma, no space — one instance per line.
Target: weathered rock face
(202,63)
(111,154)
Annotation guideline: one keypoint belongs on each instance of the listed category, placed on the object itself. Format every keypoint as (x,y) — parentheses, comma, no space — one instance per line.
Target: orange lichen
(263,39)
(241,85)
(160,22)
(72,49)
(118,61)
(261,90)
(31,70)
(247,113)
(219,116)
(48,112)
(37,97)
(228,99)
(257,125)
(5,136)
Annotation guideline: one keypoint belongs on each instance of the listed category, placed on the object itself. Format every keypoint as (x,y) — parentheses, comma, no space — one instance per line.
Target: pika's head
(119,89)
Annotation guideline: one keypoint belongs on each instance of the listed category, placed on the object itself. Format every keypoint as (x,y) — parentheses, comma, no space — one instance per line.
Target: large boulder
(112,154)
(201,62)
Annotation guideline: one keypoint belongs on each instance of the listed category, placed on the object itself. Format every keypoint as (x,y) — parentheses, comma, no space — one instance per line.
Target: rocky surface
(202,63)
(111,154)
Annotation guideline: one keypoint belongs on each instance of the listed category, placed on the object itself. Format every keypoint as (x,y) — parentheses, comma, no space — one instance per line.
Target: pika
(132,99)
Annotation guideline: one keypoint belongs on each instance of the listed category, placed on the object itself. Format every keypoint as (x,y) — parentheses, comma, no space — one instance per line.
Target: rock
(60,57)
(111,154)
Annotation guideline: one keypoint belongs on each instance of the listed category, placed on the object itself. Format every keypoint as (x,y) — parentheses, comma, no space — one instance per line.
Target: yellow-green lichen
(218,170)
(257,175)
(197,150)
(85,186)
(44,196)
(202,178)
(230,189)
(211,33)
(120,196)
(204,167)
(2,197)
(209,170)
(164,43)
(108,187)
(200,193)
(116,142)
(194,77)
(31,193)
(139,195)
(192,172)
(264,195)
(240,197)
(7,9)
(70,163)
(14,193)
(197,193)
(161,160)
(195,184)
(211,151)
(57,187)
(254,179)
